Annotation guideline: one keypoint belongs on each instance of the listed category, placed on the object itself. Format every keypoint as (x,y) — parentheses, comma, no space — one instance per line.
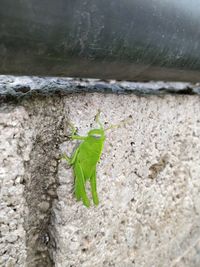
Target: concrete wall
(148,183)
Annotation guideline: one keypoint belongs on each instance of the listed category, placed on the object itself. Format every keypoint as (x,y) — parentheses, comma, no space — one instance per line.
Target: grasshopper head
(97,133)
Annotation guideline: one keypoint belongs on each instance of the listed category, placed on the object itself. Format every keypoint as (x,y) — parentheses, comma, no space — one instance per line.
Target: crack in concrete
(41,179)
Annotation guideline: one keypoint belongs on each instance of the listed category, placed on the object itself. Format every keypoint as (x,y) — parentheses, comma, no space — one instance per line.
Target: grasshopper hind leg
(94,188)
(80,191)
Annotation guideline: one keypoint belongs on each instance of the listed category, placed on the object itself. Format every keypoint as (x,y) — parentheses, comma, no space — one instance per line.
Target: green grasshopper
(85,159)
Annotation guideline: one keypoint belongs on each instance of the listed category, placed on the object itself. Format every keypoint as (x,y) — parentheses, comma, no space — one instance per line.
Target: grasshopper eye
(96,136)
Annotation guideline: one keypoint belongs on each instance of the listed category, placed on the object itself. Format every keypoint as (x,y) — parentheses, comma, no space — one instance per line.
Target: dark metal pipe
(115,39)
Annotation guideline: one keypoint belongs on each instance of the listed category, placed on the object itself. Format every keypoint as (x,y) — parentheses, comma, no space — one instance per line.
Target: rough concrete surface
(12,206)
(148,183)
(30,134)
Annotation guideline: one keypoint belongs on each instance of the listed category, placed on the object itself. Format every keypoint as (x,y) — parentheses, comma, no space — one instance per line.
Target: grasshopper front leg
(77,137)
(73,135)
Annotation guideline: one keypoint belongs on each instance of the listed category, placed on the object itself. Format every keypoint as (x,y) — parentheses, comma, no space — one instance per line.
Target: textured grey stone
(12,207)
(15,87)
(148,183)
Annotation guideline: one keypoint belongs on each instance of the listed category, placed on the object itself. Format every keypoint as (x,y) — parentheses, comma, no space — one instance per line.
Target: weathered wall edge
(17,87)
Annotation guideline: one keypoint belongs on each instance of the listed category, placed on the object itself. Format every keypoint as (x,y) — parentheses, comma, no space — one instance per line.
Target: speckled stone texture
(13,153)
(148,182)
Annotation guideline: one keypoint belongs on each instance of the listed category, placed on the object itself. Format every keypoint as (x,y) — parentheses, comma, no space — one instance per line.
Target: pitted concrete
(14,151)
(148,180)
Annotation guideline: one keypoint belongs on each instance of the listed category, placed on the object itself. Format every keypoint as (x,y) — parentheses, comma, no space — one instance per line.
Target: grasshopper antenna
(123,122)
(97,119)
